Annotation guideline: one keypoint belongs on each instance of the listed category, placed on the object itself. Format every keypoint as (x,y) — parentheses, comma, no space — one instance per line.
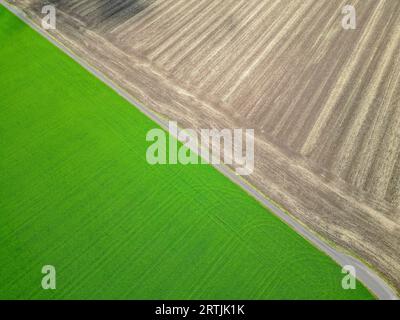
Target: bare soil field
(324,101)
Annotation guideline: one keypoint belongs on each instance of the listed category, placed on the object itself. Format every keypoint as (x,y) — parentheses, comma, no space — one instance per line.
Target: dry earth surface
(324,101)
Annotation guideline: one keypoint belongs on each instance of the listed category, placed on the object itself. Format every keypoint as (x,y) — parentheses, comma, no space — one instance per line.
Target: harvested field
(324,101)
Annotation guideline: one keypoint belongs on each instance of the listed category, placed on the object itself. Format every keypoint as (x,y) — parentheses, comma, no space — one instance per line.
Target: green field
(76,192)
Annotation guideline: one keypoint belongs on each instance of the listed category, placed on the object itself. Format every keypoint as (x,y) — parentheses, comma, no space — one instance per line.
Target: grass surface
(76,192)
